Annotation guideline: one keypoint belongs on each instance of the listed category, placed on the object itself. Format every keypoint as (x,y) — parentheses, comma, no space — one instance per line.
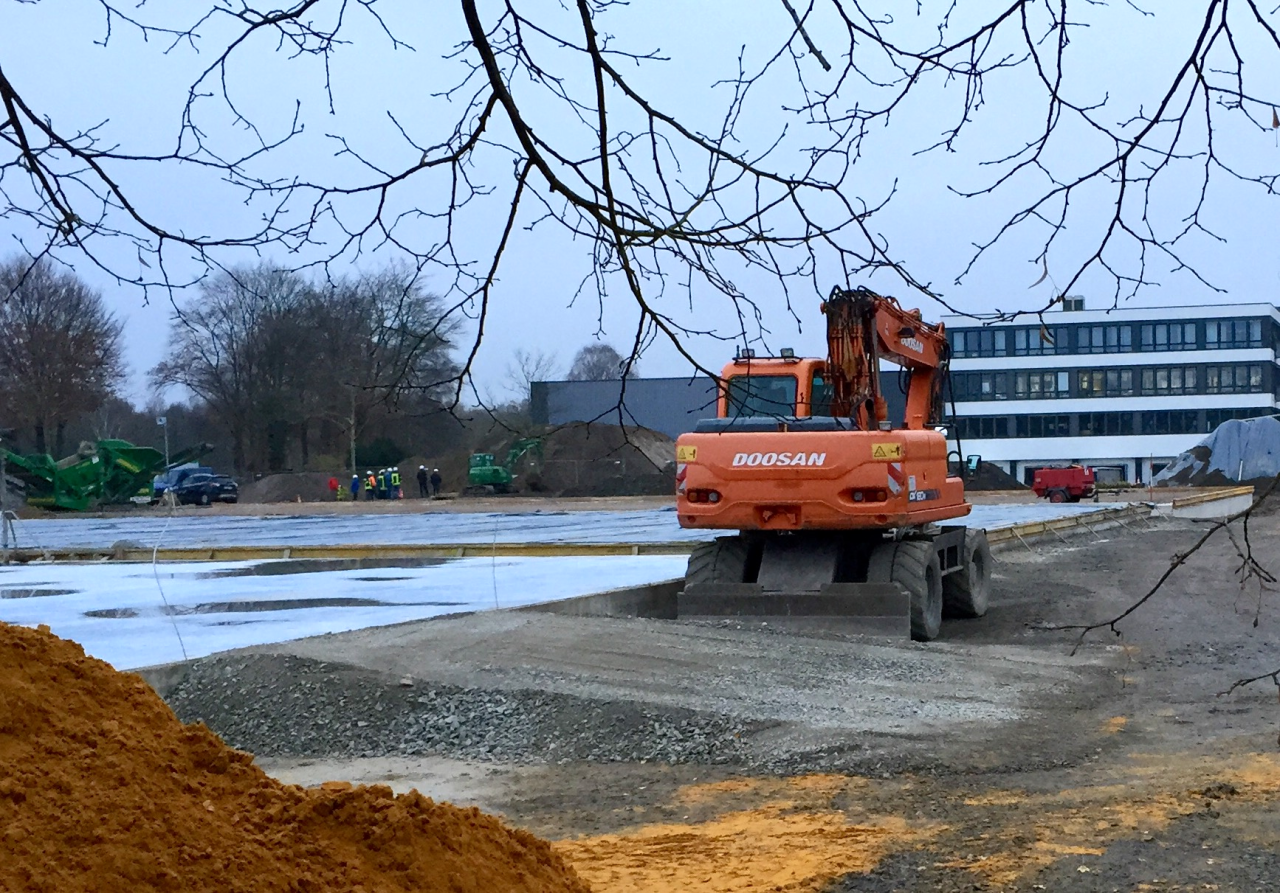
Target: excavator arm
(864,328)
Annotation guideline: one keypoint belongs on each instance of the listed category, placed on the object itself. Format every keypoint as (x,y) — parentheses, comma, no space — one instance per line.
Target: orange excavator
(836,505)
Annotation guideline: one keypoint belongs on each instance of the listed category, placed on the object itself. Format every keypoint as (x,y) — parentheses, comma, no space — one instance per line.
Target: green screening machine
(108,472)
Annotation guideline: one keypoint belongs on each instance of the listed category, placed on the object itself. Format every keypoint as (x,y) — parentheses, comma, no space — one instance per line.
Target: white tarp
(124,615)
(654,525)
(1241,449)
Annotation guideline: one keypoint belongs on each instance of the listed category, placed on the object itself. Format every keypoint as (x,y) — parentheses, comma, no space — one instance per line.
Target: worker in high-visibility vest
(395,482)
(370,485)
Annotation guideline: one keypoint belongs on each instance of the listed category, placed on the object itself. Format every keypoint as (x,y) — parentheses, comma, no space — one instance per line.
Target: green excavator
(485,475)
(106,472)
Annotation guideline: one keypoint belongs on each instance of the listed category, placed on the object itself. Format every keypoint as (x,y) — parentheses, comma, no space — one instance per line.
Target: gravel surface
(320,709)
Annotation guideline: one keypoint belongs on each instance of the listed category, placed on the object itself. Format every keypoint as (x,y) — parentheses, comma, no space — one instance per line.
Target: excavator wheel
(965,592)
(914,565)
(723,560)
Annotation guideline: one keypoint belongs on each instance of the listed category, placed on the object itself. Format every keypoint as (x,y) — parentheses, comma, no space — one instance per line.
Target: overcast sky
(53,54)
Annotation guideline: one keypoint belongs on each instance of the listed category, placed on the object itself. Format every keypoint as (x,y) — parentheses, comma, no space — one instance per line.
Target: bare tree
(271,354)
(526,367)
(59,349)
(551,118)
(599,362)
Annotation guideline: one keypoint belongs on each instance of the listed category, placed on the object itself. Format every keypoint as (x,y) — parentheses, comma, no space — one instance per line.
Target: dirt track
(990,760)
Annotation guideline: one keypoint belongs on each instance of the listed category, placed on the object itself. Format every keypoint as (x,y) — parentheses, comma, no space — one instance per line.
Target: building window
(1175,421)
(1119,383)
(982,427)
(1098,424)
(1215,417)
(1161,381)
(1232,334)
(1040,385)
(1168,336)
(1044,426)
(1233,379)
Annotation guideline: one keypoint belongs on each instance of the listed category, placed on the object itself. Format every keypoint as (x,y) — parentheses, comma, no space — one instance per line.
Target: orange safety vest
(371,483)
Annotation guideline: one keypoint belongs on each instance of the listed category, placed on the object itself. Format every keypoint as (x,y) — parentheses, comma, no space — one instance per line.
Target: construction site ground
(665,756)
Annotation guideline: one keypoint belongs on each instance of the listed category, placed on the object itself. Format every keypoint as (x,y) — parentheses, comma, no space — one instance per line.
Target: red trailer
(1069,484)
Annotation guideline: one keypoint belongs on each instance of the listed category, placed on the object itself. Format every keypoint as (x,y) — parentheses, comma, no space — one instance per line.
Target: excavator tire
(723,560)
(965,592)
(914,565)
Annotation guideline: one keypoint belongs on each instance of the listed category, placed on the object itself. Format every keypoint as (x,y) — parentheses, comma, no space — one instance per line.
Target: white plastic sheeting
(117,612)
(1241,449)
(656,525)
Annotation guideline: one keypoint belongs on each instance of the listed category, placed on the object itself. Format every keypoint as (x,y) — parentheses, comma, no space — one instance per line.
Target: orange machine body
(803,443)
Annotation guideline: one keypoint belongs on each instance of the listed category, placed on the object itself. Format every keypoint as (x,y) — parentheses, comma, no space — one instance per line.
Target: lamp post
(163,422)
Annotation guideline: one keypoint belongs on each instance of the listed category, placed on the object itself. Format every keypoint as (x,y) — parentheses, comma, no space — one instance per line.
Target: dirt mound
(991,477)
(105,790)
(307,486)
(1238,450)
(579,459)
(607,460)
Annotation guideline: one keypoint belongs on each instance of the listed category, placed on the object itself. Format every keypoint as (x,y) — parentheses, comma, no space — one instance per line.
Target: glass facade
(1118,337)
(1100,424)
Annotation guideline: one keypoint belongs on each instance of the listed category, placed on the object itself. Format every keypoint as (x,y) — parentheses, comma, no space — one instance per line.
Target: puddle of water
(35,592)
(288,604)
(380,579)
(112,613)
(321,566)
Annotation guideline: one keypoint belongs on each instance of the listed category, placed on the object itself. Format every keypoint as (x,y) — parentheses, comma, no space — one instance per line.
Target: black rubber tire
(204,498)
(966,592)
(914,564)
(723,560)
(1057,496)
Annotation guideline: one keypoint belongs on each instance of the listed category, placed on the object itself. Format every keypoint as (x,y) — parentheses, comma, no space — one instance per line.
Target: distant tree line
(291,367)
(279,370)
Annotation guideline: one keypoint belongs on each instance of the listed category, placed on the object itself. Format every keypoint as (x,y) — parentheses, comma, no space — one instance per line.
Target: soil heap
(1238,451)
(296,486)
(103,789)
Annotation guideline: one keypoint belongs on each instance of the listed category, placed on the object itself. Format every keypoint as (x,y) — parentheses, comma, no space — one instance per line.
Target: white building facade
(1124,391)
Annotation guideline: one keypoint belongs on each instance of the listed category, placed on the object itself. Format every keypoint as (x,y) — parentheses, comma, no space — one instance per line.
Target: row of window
(1152,381)
(1097,424)
(1022,341)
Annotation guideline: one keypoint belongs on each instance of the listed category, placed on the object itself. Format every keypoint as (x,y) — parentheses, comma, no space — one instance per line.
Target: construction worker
(395,482)
(422,482)
(370,485)
(436,481)
(381,482)
(355,487)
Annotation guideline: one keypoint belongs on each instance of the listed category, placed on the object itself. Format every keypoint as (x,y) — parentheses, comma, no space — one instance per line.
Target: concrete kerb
(1072,525)
(1212,506)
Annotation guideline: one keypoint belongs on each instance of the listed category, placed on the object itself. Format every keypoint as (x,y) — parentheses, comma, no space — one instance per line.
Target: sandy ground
(991,760)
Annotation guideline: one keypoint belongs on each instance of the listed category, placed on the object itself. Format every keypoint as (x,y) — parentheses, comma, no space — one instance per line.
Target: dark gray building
(670,405)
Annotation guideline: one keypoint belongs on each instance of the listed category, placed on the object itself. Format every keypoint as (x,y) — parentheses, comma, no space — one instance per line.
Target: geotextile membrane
(103,789)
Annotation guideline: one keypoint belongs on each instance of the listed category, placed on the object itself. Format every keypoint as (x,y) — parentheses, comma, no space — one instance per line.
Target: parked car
(203,489)
(173,478)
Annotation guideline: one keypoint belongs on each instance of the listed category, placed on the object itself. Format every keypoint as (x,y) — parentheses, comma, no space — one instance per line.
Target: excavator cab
(837,508)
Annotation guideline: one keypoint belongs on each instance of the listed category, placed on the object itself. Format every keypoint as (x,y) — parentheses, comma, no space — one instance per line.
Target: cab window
(762,395)
(820,396)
